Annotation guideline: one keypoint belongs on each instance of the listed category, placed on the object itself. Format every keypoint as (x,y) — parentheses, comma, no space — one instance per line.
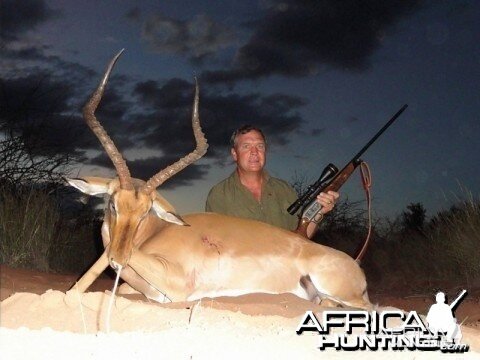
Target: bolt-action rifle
(330,179)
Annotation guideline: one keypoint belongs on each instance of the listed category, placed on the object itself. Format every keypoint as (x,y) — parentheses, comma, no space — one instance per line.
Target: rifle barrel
(457,300)
(380,132)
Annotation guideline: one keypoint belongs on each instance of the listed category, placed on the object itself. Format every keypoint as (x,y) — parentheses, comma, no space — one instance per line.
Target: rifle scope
(314,189)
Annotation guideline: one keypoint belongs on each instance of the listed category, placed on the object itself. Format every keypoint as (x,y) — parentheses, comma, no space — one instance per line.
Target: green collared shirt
(230,197)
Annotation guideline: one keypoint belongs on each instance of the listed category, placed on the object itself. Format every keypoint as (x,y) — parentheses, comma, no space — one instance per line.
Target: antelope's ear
(90,185)
(167,215)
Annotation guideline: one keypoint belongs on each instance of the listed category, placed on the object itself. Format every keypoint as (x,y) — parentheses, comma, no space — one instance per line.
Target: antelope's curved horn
(99,131)
(202,146)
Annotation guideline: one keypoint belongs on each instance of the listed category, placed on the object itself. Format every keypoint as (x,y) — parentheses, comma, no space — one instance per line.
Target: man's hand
(327,200)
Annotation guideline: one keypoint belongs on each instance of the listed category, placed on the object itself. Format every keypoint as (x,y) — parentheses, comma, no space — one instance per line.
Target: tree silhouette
(35,144)
(413,219)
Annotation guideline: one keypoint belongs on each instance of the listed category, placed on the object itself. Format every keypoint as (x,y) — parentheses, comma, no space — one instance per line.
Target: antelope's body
(166,257)
(245,256)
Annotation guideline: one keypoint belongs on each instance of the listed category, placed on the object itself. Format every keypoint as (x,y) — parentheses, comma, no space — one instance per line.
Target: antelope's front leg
(165,276)
(92,274)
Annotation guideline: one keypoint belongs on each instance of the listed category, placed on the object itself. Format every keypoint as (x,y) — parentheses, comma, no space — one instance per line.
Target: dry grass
(27,228)
(34,234)
(445,253)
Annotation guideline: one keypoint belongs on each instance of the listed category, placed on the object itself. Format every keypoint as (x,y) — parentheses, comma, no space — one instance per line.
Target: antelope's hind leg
(314,295)
(342,282)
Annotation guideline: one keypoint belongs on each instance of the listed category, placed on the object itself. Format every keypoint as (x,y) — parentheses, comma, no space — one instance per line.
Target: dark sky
(320,77)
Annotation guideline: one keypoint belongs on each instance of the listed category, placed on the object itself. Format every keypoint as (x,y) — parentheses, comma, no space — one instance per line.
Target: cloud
(145,168)
(295,37)
(137,115)
(317,131)
(197,38)
(17,62)
(134,14)
(153,116)
(185,177)
(46,104)
(47,93)
(23,16)
(168,126)
(37,107)
(56,90)
(114,114)
(352,119)
(161,123)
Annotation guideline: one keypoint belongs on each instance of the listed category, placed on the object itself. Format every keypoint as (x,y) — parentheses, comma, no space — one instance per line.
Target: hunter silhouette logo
(388,329)
(440,317)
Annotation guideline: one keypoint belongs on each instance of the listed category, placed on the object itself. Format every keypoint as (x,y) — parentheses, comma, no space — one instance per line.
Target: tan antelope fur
(166,257)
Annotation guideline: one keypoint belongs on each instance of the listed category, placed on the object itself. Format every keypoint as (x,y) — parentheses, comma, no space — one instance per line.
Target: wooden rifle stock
(342,176)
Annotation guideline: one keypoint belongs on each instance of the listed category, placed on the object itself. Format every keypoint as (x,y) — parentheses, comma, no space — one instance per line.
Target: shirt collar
(265,174)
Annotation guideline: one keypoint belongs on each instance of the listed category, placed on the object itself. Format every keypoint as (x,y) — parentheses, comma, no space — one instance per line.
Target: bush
(35,234)
(445,253)
(430,255)
(455,236)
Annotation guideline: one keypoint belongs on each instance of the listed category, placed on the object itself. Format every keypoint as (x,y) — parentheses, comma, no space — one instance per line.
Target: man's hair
(243,130)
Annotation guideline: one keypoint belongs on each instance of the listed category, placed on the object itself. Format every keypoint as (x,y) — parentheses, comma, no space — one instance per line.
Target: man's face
(249,151)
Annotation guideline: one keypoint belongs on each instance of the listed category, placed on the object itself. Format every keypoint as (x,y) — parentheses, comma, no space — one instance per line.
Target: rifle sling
(367,183)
